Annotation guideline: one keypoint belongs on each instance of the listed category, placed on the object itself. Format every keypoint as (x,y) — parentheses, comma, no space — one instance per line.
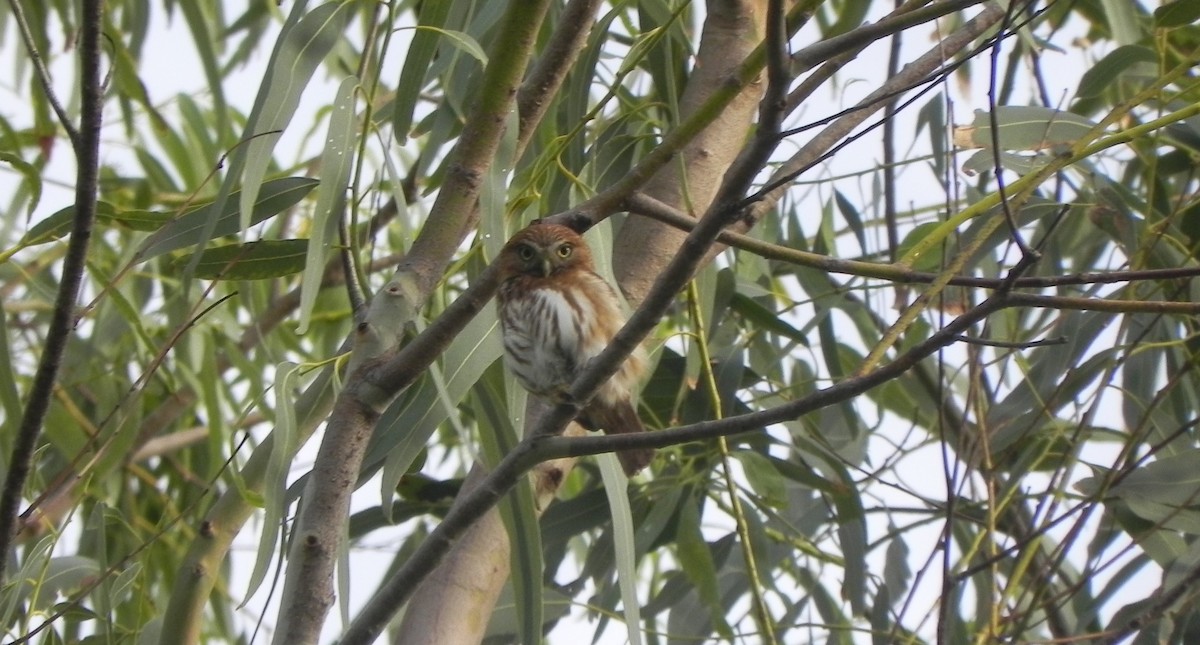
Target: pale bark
(455,602)
(308,589)
(732,30)
(452,605)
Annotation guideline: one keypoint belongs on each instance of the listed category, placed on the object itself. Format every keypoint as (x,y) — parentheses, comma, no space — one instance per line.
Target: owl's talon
(565,398)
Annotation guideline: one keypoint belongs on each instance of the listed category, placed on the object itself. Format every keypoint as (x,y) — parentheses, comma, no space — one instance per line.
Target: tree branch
(87,153)
(544,445)
(912,74)
(566,42)
(39,66)
(308,585)
(642,204)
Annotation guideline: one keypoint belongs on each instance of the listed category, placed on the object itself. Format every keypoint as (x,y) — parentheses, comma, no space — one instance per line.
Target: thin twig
(1013,344)
(842,124)
(1013,230)
(39,66)
(890,208)
(554,447)
(641,204)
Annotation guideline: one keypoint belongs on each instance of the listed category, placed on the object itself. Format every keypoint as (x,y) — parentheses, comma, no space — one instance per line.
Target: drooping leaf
(1110,68)
(30,175)
(190,228)
(416,65)
(1177,13)
(303,45)
(250,261)
(1023,127)
(623,543)
(336,162)
(283,447)
(696,562)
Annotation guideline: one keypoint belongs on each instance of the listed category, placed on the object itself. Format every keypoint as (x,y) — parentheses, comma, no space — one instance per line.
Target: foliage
(944,377)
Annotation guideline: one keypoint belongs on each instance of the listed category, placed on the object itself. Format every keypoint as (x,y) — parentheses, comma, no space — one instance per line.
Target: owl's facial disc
(536,260)
(542,261)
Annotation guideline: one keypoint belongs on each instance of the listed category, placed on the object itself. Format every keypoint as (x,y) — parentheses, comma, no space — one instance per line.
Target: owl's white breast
(551,334)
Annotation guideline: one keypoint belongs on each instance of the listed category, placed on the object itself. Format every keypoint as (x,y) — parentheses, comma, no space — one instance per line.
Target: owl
(556,314)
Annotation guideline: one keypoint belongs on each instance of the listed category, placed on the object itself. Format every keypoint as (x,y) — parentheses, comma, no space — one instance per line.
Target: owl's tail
(619,418)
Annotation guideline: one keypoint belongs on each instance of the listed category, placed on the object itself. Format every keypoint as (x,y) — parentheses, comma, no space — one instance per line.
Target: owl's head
(544,249)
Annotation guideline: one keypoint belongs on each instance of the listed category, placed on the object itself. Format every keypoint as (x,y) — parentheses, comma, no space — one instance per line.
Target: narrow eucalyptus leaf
(1023,127)
(336,161)
(250,261)
(1179,13)
(189,229)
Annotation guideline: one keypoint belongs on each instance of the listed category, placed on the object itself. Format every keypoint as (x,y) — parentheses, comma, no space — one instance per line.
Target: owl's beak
(546,266)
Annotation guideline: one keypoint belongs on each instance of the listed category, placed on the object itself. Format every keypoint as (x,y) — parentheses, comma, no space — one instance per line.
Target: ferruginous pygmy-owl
(557,314)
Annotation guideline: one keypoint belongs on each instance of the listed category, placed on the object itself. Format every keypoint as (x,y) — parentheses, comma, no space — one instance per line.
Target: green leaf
(407,424)
(197,226)
(896,571)
(10,398)
(125,74)
(1023,127)
(202,37)
(852,217)
(696,562)
(504,624)
(517,511)
(1173,480)
(336,161)
(250,261)
(1109,69)
(1122,18)
(852,16)
(302,48)
(31,176)
(59,224)
(765,318)
(764,478)
(282,448)
(416,65)
(1179,13)
(616,486)
(930,261)
(62,576)
(985,160)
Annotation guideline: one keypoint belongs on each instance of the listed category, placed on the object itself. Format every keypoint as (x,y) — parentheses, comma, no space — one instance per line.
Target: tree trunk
(453,604)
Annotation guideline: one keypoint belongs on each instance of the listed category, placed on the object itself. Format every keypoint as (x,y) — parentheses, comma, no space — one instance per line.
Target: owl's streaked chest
(549,334)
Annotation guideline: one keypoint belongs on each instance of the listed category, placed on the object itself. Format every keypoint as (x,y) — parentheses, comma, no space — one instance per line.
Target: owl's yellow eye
(526,253)
(564,251)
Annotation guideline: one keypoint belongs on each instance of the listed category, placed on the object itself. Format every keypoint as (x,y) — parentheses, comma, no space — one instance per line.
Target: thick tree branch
(708,101)
(539,89)
(87,154)
(472,578)
(308,586)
